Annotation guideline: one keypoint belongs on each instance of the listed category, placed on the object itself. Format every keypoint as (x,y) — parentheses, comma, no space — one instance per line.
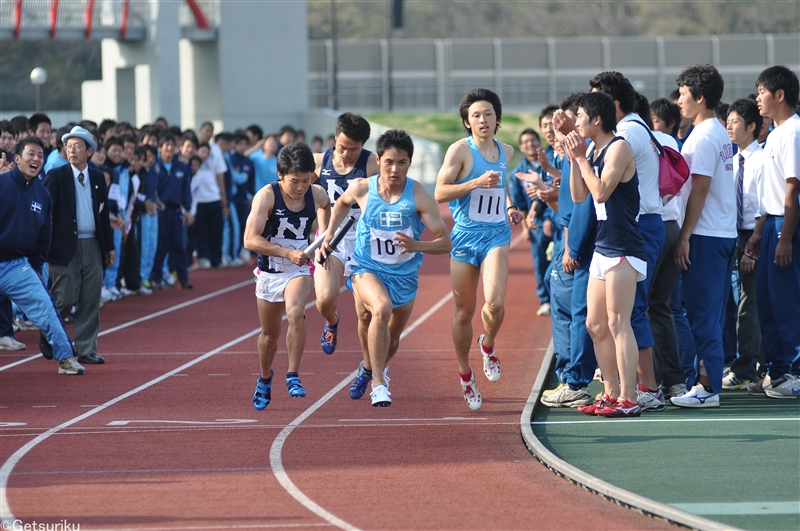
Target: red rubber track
(427,462)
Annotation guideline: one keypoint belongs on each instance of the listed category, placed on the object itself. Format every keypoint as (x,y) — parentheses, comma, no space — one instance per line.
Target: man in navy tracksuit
(529,145)
(168,185)
(26,227)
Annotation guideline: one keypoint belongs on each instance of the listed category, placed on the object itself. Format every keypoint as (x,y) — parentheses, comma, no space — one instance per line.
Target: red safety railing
(123,16)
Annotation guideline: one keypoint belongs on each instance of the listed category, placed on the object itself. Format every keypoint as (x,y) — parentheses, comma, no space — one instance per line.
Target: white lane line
(144,471)
(759,508)
(145,318)
(224,526)
(276,461)
(6,516)
(629,420)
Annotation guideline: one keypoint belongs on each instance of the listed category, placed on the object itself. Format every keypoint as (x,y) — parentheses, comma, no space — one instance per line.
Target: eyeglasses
(74,147)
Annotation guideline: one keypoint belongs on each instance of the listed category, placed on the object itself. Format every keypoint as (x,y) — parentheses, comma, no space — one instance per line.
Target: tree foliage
(368,19)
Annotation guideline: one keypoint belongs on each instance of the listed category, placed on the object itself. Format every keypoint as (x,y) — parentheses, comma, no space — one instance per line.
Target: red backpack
(673,170)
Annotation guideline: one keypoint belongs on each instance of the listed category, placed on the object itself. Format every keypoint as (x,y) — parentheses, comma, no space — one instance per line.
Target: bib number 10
(382,247)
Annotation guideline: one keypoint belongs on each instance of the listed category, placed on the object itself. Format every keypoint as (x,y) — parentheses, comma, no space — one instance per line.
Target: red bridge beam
(202,22)
(17,18)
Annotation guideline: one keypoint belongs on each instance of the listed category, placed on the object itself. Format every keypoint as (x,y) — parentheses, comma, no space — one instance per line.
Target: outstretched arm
(428,211)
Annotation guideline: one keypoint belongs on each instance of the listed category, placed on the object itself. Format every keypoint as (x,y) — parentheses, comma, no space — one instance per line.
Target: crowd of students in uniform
(177,199)
(717,301)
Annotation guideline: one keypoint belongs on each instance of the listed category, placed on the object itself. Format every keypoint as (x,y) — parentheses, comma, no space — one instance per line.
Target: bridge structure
(176,59)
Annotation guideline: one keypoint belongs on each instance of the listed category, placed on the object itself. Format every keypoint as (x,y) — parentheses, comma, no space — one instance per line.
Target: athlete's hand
(747,265)
(783,253)
(548,228)
(575,146)
(405,243)
(544,161)
(297,257)
(682,254)
(532,177)
(569,264)
(753,247)
(515,217)
(324,252)
(531,220)
(563,123)
(188,219)
(489,179)
(549,195)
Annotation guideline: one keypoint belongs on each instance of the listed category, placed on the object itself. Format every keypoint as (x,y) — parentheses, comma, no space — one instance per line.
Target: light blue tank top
(483,206)
(376,229)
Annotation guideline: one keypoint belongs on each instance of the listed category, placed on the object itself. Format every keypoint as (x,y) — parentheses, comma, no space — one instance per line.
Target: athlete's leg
(464,279)
(375,297)
(495,279)
(269,313)
(326,286)
(597,324)
(397,323)
(620,296)
(296,294)
(364,318)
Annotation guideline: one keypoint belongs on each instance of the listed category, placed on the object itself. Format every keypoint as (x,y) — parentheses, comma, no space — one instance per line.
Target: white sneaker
(144,291)
(788,388)
(381,397)
(567,397)
(472,396)
(244,255)
(105,295)
(678,389)
(544,309)
(236,262)
(126,292)
(204,263)
(70,366)
(116,295)
(651,402)
(696,397)
(10,343)
(491,365)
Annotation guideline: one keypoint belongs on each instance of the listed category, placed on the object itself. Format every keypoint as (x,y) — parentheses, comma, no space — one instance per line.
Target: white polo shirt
(753,170)
(781,162)
(646,157)
(708,152)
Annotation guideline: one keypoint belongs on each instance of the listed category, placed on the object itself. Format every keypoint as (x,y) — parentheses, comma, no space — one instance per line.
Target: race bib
(487,205)
(382,247)
(279,264)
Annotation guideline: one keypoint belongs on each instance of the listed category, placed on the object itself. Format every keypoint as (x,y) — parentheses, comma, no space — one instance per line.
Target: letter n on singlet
(298,232)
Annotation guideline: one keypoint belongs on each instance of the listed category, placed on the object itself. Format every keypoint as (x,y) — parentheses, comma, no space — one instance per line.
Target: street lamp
(38,78)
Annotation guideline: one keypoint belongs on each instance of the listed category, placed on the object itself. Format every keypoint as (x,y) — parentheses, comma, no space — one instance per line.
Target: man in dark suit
(82,245)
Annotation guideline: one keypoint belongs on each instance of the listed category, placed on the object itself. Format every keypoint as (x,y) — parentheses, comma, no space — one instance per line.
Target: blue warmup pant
(651,228)
(170,239)
(149,245)
(20,283)
(560,309)
(706,287)
(779,303)
(688,352)
(111,273)
(541,266)
(582,362)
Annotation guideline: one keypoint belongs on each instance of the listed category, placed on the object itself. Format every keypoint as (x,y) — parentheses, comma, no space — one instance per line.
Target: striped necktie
(740,193)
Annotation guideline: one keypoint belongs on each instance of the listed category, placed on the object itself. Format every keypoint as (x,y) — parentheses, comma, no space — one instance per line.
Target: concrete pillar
(263,63)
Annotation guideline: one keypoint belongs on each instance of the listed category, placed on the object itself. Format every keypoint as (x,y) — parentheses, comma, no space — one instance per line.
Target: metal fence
(434,74)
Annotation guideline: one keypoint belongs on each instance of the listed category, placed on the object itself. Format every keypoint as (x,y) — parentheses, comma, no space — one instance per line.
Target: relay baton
(339,234)
(316,243)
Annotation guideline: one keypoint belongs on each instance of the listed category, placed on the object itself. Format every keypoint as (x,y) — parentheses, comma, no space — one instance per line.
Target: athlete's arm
(356,190)
(694,207)
(454,161)
(318,161)
(783,251)
(428,211)
(323,204)
(260,212)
